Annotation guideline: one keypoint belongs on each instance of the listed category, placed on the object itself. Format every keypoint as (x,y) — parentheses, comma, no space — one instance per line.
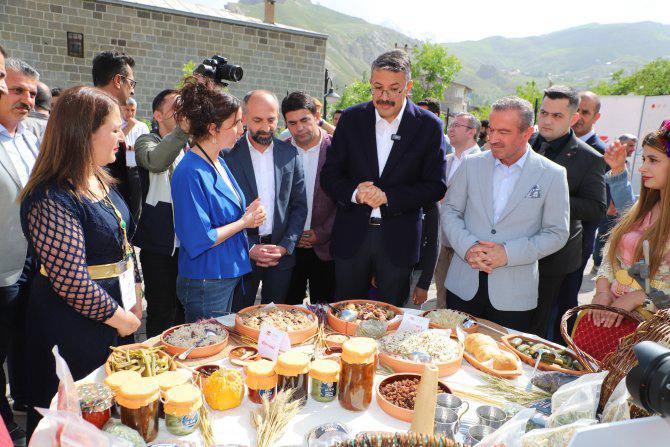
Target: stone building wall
(276,58)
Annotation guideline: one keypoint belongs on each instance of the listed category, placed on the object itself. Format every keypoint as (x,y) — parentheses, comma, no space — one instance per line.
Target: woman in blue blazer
(210,212)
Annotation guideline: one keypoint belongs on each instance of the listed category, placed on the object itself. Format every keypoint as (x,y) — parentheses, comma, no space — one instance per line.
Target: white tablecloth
(234,426)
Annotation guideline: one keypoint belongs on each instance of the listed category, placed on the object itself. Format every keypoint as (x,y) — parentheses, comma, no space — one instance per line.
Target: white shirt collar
(397,119)
(252,148)
(468,151)
(585,137)
(519,163)
(311,149)
(19,130)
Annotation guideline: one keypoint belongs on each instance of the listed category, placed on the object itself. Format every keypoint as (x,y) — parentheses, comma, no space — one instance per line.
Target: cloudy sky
(452,21)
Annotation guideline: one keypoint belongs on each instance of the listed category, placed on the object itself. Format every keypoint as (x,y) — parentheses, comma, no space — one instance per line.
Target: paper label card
(413,323)
(127,285)
(272,341)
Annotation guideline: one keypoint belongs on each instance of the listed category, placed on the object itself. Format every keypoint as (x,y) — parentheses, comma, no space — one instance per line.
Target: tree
(433,69)
(530,92)
(186,70)
(653,79)
(482,112)
(354,93)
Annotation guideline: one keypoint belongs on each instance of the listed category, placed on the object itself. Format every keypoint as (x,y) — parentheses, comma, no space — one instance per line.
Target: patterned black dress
(66,307)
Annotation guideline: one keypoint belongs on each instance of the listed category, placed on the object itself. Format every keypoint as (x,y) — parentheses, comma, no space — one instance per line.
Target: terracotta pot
(296,337)
(350,328)
(171,362)
(470,330)
(197,353)
(407,366)
(334,343)
(395,411)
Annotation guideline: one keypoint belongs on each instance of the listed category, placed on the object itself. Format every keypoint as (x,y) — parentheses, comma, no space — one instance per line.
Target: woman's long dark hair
(66,154)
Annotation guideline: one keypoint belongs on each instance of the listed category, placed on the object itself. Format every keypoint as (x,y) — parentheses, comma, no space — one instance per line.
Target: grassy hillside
(492,67)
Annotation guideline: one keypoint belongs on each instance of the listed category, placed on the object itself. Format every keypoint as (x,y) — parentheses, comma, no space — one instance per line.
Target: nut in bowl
(209,338)
(451,319)
(346,316)
(300,324)
(410,351)
(396,394)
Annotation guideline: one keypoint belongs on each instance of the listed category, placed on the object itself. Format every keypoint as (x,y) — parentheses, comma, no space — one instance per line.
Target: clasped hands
(486,256)
(367,193)
(267,255)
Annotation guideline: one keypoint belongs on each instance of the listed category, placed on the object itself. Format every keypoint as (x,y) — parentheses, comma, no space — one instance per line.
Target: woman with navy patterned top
(77,228)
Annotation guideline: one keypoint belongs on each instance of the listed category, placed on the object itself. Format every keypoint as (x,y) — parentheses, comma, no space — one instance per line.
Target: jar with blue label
(182,406)
(261,380)
(324,375)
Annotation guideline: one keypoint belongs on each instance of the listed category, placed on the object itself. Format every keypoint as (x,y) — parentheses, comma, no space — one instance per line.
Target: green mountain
(352,42)
(579,56)
(492,67)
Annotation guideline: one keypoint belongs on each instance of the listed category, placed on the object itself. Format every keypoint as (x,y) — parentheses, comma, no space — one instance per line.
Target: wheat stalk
(272,418)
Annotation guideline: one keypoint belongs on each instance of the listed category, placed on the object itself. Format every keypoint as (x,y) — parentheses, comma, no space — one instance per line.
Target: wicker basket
(590,363)
(620,362)
(371,439)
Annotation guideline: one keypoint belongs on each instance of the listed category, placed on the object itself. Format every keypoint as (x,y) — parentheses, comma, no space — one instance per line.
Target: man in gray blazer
(268,168)
(505,209)
(18,151)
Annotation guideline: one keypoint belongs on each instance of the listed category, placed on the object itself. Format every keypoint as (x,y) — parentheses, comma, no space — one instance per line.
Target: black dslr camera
(649,382)
(218,69)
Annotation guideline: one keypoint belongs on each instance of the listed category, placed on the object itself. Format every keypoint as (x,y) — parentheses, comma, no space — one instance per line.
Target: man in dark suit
(386,161)
(589,114)
(313,262)
(268,168)
(586,181)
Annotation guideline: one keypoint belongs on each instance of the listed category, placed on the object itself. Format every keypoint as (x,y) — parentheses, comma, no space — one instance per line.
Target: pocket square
(534,193)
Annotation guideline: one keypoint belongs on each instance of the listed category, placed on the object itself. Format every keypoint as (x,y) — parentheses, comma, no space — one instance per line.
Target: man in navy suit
(386,162)
(268,168)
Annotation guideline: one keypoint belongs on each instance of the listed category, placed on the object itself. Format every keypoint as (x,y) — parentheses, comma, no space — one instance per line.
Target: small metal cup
(452,402)
(477,432)
(447,422)
(491,416)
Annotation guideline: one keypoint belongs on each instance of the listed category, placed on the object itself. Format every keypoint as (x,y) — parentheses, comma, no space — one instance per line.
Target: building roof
(183,8)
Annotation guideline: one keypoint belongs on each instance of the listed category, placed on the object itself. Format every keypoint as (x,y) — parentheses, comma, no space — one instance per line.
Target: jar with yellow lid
(114,382)
(292,368)
(138,403)
(357,378)
(324,375)
(166,381)
(182,406)
(261,380)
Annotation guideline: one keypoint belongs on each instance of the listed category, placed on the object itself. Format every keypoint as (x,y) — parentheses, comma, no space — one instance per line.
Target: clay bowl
(395,411)
(242,354)
(296,337)
(470,330)
(199,352)
(400,365)
(350,328)
(333,340)
(108,369)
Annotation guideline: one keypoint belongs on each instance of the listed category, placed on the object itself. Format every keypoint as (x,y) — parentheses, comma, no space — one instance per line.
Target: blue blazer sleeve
(191,214)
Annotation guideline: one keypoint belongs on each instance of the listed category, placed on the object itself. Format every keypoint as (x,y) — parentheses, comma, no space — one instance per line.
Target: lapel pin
(395,137)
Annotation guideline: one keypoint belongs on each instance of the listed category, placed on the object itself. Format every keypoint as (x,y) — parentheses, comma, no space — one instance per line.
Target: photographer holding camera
(210,209)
